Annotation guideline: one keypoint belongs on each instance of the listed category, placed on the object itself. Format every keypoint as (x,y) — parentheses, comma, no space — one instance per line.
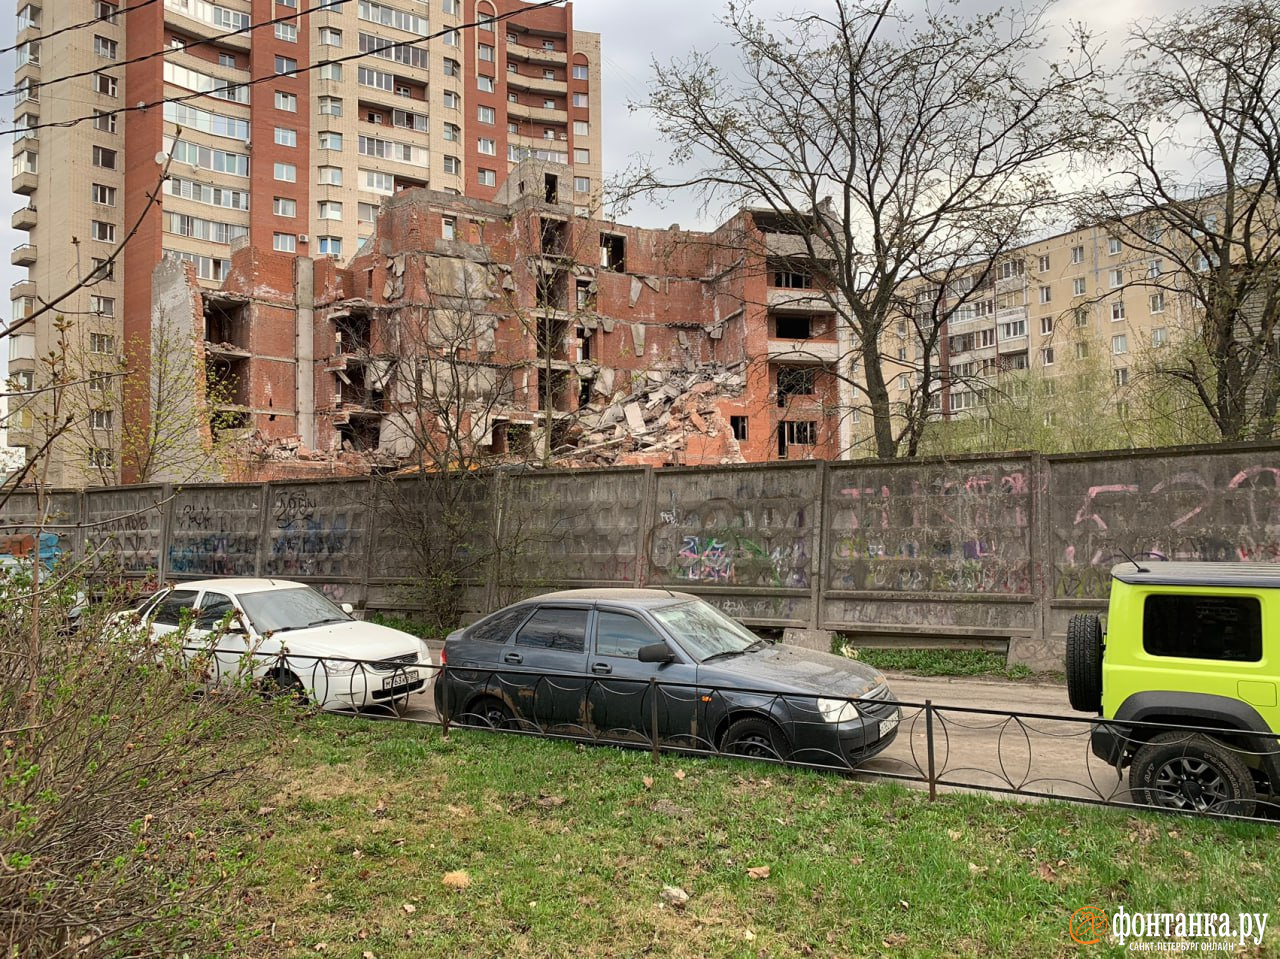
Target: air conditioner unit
(303,238)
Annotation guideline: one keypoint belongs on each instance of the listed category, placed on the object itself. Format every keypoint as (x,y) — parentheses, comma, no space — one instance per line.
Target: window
(451,100)
(286,101)
(104,122)
(286,137)
(330,140)
(1077,254)
(618,634)
(329,106)
(1117,310)
(1078,286)
(796,433)
(100,458)
(904,382)
(101,230)
(284,242)
(106,11)
(1081,315)
(452,68)
(581,156)
(739,425)
(100,419)
(286,66)
(1082,350)
(227,60)
(105,48)
(449,228)
(287,32)
(485,53)
(330,37)
(485,84)
(1156,302)
(1114,246)
(1120,343)
(1116,277)
(105,85)
(452,38)
(1155,268)
(1046,325)
(580,100)
(486,115)
(102,305)
(1159,336)
(548,104)
(1009,269)
(1044,263)
(548,44)
(329,175)
(330,71)
(548,74)
(560,629)
(284,206)
(105,195)
(329,210)
(1013,329)
(487,147)
(1046,356)
(331,246)
(103,269)
(1120,376)
(102,343)
(286,172)
(452,132)
(582,184)
(169,611)
(366,212)
(580,71)
(1203,627)
(453,7)
(104,158)
(1046,294)
(487,177)
(379,182)
(794,381)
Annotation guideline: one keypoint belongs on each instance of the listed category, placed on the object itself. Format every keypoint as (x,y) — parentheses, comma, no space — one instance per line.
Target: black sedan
(626,665)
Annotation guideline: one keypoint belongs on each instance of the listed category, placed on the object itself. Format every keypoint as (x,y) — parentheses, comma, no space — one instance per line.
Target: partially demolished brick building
(519,330)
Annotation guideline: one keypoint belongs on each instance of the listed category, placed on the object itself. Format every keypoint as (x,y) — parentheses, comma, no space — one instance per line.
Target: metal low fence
(940,747)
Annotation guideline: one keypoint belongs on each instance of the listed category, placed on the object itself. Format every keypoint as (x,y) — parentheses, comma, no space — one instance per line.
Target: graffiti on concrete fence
(949,532)
(720,542)
(308,539)
(1185,516)
(210,541)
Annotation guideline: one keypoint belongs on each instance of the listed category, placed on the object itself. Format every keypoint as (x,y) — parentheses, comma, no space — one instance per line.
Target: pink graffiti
(1094,493)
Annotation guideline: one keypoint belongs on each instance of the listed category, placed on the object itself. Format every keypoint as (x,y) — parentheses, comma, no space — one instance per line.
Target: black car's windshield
(703,630)
(294,608)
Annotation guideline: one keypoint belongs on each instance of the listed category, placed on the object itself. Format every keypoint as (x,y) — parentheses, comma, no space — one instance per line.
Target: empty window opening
(359,435)
(794,381)
(551,338)
(796,433)
(519,439)
(739,426)
(551,188)
(790,275)
(585,386)
(586,291)
(793,326)
(553,290)
(352,333)
(584,344)
(613,252)
(555,235)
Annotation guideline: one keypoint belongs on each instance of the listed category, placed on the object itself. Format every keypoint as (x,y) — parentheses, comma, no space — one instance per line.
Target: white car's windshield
(704,631)
(297,607)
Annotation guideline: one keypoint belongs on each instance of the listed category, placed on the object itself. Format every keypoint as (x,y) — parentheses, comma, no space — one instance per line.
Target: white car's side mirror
(347,608)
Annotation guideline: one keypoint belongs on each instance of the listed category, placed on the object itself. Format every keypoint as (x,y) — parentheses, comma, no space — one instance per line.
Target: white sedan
(292,636)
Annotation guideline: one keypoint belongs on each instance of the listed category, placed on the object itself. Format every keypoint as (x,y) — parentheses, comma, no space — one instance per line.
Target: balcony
(804,352)
(520,111)
(24,218)
(521,81)
(23,255)
(518,51)
(1014,344)
(26,140)
(797,300)
(22,288)
(193,25)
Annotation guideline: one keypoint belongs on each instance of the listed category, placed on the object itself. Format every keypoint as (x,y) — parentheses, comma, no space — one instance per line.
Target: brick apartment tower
(297,162)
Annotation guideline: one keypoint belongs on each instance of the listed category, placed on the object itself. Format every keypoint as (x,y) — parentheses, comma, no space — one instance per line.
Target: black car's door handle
(602,668)
(513,658)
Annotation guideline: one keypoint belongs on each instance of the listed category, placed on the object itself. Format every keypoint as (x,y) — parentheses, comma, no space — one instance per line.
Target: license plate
(887,726)
(402,679)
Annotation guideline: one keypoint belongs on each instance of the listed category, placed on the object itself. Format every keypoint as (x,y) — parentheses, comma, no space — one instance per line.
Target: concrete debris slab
(607,322)
(637,336)
(635,419)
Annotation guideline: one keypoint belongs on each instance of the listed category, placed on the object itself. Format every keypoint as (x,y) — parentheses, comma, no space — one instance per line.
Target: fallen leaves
(758,872)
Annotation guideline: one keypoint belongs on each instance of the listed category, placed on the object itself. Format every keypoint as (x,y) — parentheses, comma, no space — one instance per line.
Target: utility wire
(274,77)
(105,18)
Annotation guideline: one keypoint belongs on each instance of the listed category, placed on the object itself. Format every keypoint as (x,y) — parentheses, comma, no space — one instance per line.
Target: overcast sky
(633,33)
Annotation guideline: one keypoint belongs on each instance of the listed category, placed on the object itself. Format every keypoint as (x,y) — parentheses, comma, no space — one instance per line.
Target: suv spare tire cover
(1084,662)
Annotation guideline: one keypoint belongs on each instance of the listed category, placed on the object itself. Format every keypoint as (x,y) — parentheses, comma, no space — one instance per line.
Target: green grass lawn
(388,840)
(942,662)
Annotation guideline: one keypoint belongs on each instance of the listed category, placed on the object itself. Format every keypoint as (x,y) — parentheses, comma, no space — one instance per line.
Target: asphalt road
(977,750)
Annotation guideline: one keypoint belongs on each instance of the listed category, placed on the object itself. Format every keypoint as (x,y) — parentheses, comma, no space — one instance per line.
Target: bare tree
(1195,145)
(893,150)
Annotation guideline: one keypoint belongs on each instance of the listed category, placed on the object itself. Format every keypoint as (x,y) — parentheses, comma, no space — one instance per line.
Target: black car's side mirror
(655,653)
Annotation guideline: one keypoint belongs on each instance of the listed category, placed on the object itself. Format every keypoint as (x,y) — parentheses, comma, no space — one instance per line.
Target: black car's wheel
(1194,772)
(755,737)
(488,712)
(282,684)
(1084,662)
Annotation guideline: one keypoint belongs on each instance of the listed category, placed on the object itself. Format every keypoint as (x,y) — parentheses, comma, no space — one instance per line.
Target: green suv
(1191,645)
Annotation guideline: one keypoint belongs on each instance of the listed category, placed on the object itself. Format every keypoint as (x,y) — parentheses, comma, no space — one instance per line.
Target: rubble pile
(654,423)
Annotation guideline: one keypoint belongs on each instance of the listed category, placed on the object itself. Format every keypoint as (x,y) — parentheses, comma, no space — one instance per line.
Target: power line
(272,78)
(105,18)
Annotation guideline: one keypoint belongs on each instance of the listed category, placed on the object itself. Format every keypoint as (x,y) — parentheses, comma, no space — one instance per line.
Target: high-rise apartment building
(282,125)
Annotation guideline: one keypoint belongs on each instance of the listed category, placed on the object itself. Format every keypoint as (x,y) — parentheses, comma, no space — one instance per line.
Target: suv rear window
(1227,628)
(549,628)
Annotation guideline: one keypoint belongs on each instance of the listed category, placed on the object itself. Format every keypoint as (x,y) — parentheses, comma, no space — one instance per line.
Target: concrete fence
(998,548)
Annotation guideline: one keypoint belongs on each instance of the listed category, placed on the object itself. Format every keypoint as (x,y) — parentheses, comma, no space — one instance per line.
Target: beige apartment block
(282,125)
